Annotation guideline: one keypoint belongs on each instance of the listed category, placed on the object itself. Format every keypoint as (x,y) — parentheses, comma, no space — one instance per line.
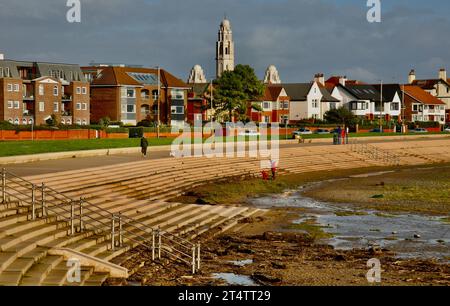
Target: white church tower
(224,49)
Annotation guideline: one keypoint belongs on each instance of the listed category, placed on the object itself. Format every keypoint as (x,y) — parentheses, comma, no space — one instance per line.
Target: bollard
(159,243)
(120,230)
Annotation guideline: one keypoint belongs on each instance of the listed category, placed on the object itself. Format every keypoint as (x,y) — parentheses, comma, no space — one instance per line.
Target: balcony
(27,97)
(66,113)
(66,98)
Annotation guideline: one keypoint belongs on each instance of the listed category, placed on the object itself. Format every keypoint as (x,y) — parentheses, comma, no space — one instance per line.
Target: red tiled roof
(272,93)
(420,95)
(120,76)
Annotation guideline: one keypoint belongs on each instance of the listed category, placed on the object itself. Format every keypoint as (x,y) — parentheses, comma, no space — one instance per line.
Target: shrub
(135,132)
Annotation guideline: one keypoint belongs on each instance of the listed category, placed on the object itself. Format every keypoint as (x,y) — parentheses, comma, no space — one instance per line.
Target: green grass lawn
(12,148)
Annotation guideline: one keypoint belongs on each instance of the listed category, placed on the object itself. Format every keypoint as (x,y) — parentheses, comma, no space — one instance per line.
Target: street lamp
(381,107)
(159,99)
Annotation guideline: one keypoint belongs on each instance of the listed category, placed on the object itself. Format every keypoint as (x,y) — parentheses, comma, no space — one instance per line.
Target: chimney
(343,80)
(319,78)
(443,74)
(412,76)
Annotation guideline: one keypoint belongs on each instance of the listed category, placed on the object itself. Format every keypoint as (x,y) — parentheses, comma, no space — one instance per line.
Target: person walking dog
(144,146)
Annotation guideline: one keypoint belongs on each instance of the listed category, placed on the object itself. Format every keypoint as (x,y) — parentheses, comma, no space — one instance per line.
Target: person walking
(273,168)
(144,146)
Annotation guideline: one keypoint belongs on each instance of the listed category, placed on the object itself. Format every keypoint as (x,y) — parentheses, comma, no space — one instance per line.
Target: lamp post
(159,99)
(381,107)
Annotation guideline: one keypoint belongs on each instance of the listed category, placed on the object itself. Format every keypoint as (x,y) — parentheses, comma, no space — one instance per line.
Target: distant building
(31,92)
(274,106)
(197,76)
(130,94)
(438,88)
(272,76)
(422,106)
(224,49)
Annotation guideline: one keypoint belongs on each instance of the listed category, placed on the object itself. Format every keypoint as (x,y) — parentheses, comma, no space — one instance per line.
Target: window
(84,90)
(131,108)
(155,95)
(315,103)
(68,122)
(30,121)
(41,106)
(177,94)
(84,122)
(1,72)
(177,110)
(62,107)
(16,105)
(131,93)
(332,105)
(10,87)
(78,90)
(41,89)
(16,87)
(415,107)
(84,106)
(55,90)
(395,106)
(10,104)
(24,121)
(266,105)
(78,106)
(7,72)
(55,107)
(78,121)
(16,121)
(367,105)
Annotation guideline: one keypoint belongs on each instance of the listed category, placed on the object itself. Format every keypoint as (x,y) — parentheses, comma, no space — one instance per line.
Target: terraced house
(132,94)
(34,92)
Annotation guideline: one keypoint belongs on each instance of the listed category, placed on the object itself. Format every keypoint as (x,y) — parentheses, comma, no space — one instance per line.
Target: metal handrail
(64,208)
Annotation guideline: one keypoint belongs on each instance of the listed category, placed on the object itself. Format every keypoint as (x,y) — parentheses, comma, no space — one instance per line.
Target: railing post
(72,218)
(44,210)
(3,185)
(159,243)
(120,230)
(193,259)
(112,232)
(198,256)
(153,244)
(81,215)
(33,201)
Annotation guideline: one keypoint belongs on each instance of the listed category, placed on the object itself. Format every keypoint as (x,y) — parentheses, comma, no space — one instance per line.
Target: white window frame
(84,106)
(42,106)
(78,106)
(16,88)
(78,90)
(55,107)
(10,87)
(55,90)
(84,90)
(16,105)
(41,89)
(10,104)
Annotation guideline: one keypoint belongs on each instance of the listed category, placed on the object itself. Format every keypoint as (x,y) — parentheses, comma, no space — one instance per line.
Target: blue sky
(300,37)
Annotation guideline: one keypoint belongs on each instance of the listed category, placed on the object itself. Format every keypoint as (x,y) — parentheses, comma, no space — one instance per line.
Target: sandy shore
(267,252)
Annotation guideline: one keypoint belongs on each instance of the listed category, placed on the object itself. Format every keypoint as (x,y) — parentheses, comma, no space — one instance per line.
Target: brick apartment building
(31,92)
(130,94)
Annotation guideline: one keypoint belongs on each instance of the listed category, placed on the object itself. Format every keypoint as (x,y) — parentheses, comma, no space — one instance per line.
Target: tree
(104,122)
(341,115)
(235,89)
